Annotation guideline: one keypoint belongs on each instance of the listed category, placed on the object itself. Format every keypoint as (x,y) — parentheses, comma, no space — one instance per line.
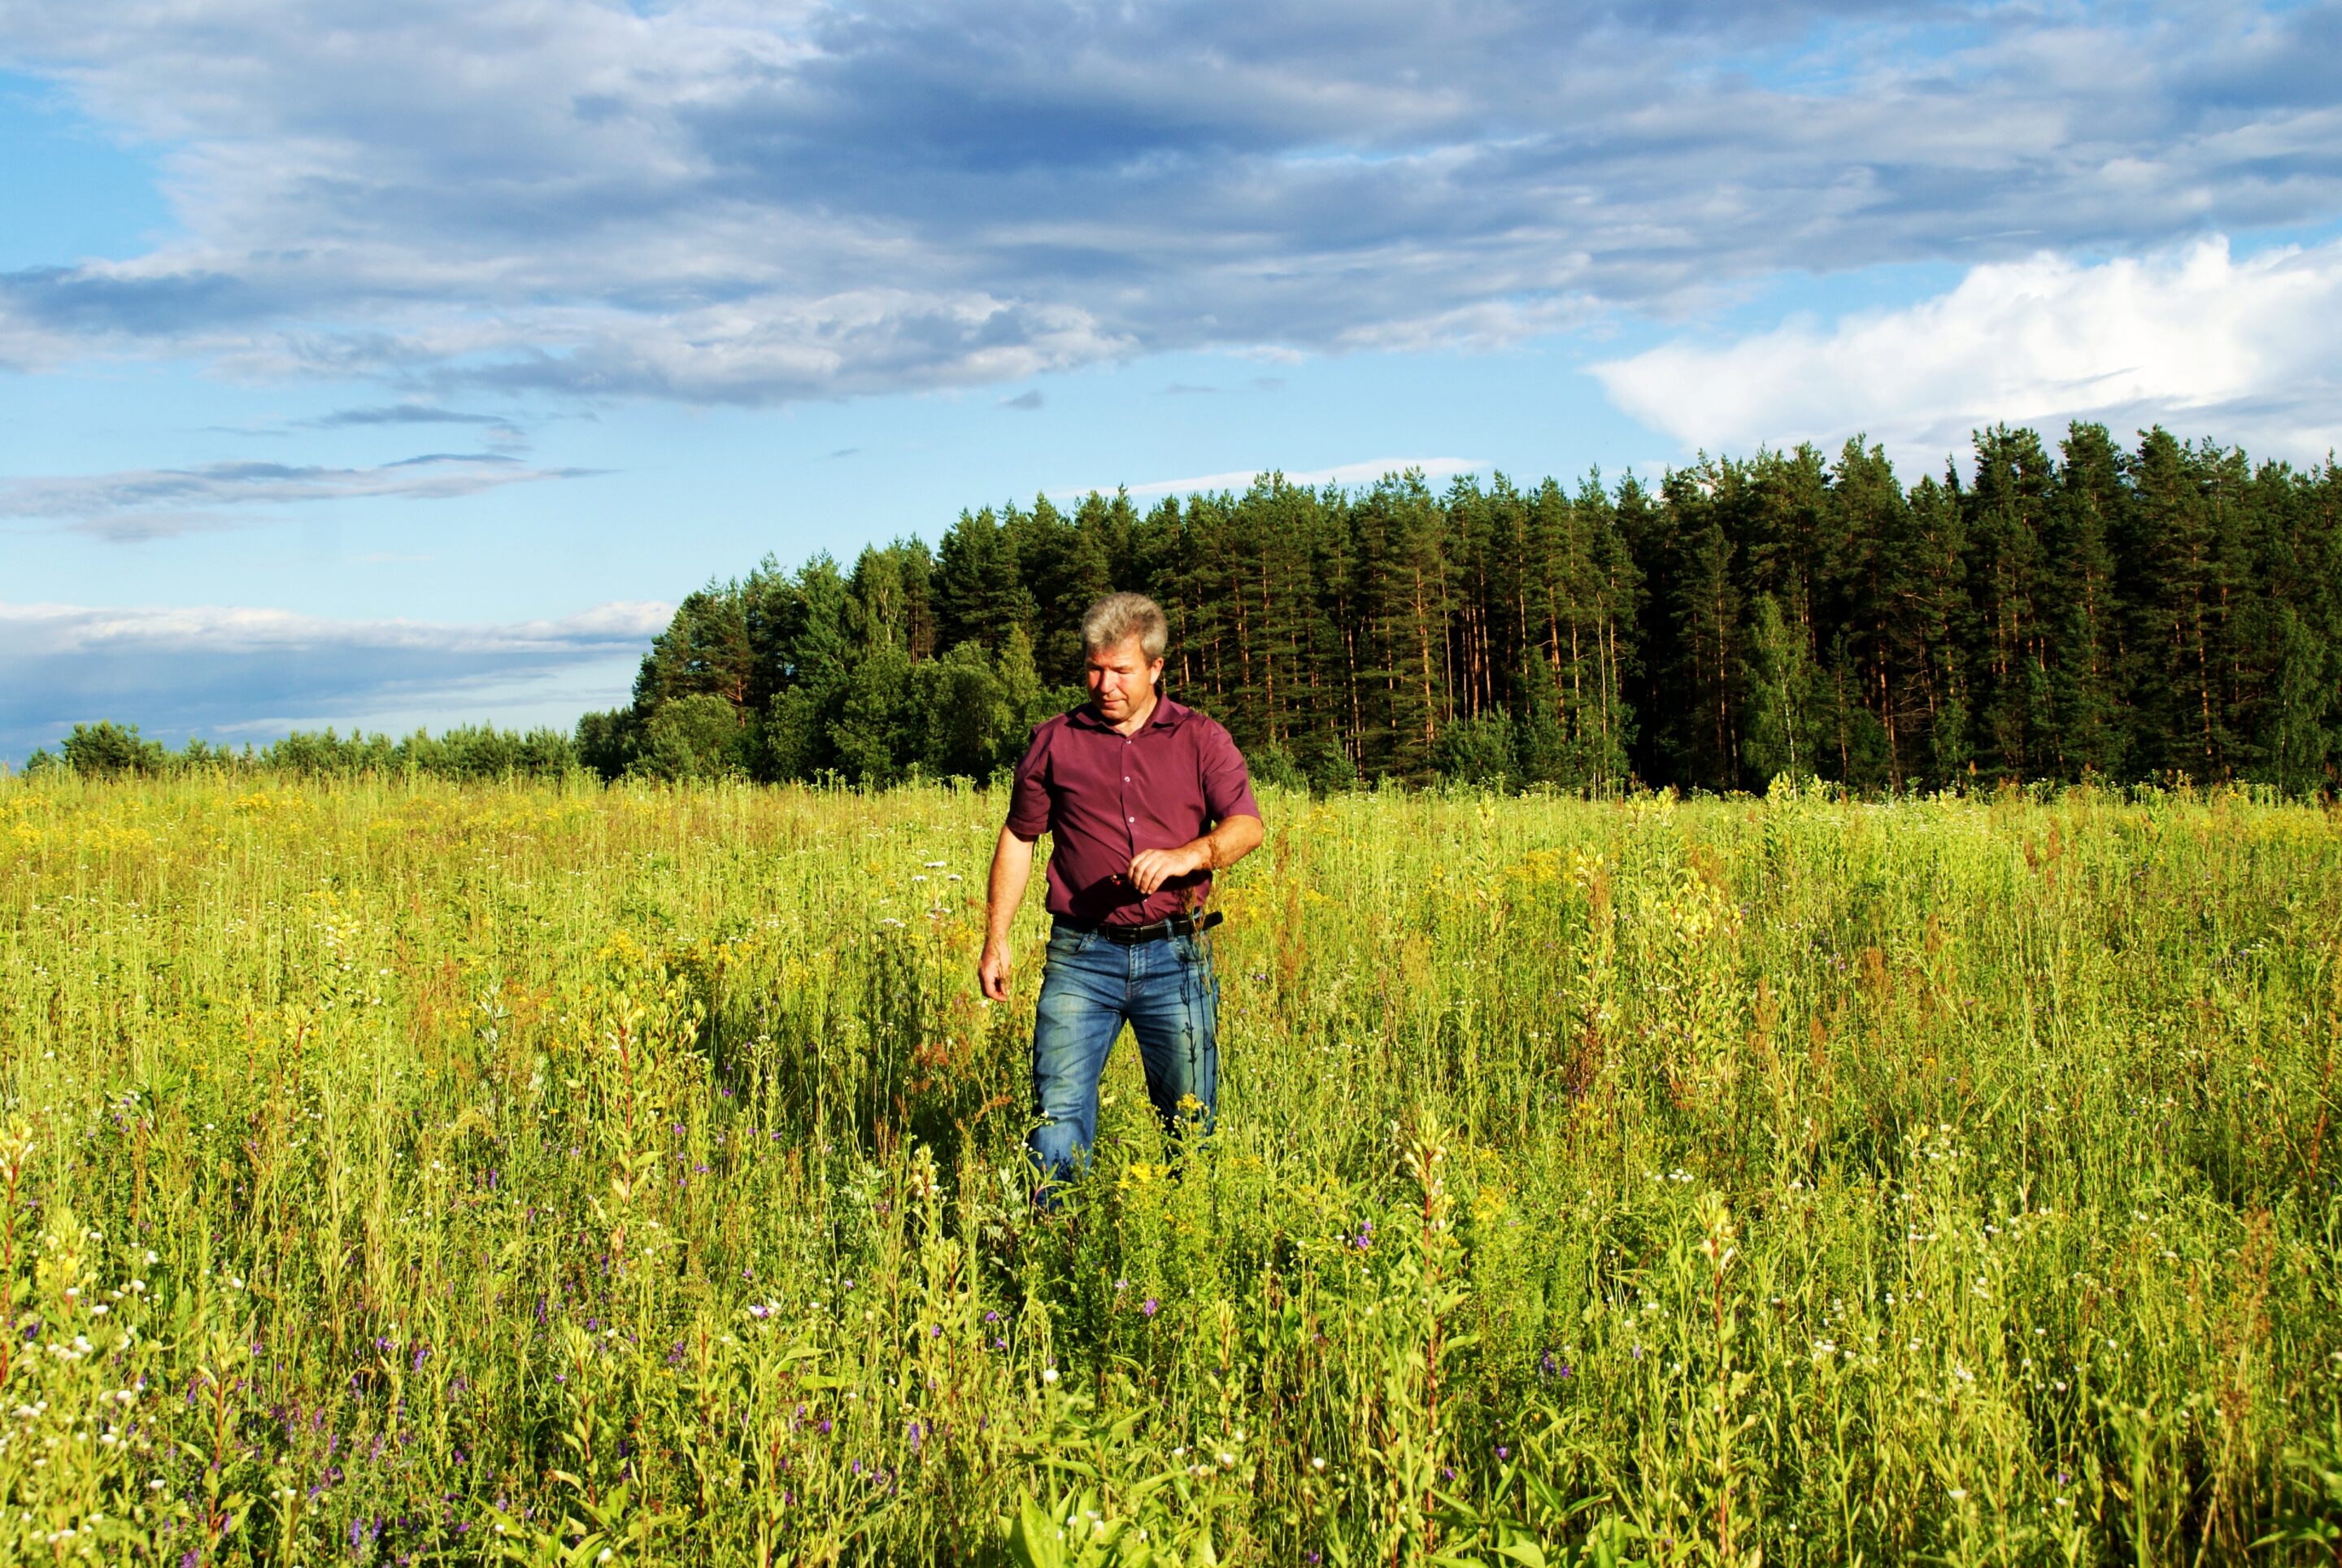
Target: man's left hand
(1153,868)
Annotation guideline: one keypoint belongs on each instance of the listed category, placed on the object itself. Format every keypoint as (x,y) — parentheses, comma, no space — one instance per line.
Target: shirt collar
(1167,715)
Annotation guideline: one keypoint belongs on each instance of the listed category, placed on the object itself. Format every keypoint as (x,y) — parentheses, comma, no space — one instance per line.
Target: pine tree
(2171,556)
(1063,563)
(2006,638)
(1932,579)
(1709,658)
(1591,590)
(979,592)
(1873,709)
(2093,728)
(705,649)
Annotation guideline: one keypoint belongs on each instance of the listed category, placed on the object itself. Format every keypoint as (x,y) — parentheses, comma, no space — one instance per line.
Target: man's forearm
(1230,841)
(1012,868)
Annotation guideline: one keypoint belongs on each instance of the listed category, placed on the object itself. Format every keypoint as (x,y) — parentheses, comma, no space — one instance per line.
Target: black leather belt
(1131,936)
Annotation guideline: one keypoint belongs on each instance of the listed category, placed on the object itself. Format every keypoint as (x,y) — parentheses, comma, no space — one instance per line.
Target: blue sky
(383,365)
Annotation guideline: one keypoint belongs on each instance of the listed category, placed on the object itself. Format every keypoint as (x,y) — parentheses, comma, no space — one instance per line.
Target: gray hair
(1119,616)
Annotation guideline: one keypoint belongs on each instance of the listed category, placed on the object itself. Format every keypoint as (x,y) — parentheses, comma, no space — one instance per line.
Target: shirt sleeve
(1029,795)
(1227,786)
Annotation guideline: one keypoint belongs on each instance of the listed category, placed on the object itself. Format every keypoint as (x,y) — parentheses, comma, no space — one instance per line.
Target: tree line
(471,752)
(2165,612)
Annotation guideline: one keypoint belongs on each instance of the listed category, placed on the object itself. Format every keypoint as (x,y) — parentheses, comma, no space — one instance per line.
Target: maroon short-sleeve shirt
(1105,797)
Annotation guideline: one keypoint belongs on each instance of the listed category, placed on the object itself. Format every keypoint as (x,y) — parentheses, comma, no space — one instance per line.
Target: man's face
(1122,677)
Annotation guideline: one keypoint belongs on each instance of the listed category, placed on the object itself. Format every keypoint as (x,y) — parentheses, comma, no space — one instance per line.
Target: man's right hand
(992,969)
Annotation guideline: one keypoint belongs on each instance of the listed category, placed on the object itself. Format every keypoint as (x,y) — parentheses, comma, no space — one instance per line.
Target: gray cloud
(99,302)
(711,203)
(150,503)
(248,671)
(405,414)
(1024,402)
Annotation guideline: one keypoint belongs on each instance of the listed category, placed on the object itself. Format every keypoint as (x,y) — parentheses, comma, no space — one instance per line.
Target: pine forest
(2167,613)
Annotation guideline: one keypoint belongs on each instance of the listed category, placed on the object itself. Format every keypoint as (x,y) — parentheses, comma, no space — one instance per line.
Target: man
(1145,800)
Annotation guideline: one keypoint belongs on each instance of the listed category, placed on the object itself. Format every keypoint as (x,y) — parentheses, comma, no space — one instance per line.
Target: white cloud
(242,670)
(2193,338)
(72,631)
(1241,480)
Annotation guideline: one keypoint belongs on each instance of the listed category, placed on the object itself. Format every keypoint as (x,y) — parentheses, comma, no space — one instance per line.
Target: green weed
(409,1172)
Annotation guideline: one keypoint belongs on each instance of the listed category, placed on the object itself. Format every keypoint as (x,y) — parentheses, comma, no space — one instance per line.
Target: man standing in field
(1145,799)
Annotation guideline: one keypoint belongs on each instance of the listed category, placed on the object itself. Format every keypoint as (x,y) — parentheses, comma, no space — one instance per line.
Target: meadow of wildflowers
(402,1172)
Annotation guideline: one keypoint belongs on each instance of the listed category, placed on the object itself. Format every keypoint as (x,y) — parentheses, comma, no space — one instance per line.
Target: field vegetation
(402,1171)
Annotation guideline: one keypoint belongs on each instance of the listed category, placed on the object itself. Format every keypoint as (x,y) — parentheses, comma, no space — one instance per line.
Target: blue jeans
(1091,987)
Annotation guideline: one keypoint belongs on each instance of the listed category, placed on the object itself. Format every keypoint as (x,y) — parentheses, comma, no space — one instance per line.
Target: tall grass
(411,1173)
